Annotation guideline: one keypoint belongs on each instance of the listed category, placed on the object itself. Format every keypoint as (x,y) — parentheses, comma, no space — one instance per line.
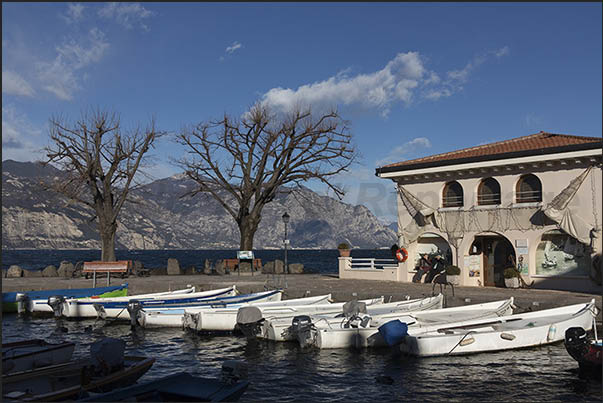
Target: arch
(429,244)
(496,253)
(528,189)
(488,192)
(452,195)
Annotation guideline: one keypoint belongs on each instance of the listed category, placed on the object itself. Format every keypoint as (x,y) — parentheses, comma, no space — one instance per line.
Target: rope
(460,341)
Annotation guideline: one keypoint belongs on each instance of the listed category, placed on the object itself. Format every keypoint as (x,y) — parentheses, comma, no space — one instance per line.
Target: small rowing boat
(30,354)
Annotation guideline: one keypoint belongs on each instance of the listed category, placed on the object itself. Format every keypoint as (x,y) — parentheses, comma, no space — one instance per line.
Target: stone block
(279,267)
(207,267)
(220,268)
(50,271)
(14,271)
(296,268)
(268,268)
(66,269)
(32,273)
(245,267)
(173,267)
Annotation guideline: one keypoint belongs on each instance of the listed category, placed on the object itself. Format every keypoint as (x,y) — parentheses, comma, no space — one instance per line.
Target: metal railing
(373,264)
(488,199)
(452,201)
(529,196)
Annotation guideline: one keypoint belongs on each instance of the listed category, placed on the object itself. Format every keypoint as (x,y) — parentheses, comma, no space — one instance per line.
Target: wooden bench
(121,267)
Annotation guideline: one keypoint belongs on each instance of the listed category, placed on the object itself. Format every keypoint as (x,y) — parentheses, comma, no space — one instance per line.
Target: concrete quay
(299,285)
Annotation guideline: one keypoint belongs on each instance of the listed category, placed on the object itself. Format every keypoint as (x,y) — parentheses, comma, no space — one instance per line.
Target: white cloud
(236,45)
(20,138)
(398,82)
(14,84)
(532,121)
(127,14)
(410,147)
(378,90)
(60,76)
(75,12)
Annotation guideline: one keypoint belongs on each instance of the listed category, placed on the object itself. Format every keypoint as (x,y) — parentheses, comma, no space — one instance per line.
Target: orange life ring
(401,255)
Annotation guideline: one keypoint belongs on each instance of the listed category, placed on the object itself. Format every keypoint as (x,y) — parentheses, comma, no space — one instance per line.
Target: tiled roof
(538,141)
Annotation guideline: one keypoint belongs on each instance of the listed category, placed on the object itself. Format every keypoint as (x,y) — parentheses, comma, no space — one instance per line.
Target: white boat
(225,319)
(27,355)
(117,307)
(278,326)
(362,332)
(504,333)
(161,316)
(41,304)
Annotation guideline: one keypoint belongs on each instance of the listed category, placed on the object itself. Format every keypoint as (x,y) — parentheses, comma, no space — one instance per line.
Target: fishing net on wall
(456,223)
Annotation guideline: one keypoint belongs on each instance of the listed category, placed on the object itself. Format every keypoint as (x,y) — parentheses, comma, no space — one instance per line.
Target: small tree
(99,162)
(242,163)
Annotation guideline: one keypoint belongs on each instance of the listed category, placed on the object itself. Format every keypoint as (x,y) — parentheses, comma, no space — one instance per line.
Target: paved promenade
(316,284)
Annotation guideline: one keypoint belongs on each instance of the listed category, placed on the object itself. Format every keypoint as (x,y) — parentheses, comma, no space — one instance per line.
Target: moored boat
(117,307)
(171,315)
(498,334)
(279,327)
(31,354)
(225,319)
(362,331)
(10,303)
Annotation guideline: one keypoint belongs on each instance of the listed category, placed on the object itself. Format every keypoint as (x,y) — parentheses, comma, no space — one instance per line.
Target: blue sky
(412,79)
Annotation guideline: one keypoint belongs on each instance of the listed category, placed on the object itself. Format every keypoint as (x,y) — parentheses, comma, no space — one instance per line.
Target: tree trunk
(247,227)
(107,234)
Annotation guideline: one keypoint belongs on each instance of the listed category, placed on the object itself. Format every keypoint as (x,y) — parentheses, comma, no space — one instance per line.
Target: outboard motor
(234,371)
(190,320)
(56,303)
(100,311)
(352,311)
(22,300)
(577,342)
(108,355)
(249,320)
(303,329)
(134,306)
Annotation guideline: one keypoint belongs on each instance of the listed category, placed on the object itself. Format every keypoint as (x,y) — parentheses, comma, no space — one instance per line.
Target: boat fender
(134,307)
(550,336)
(100,310)
(56,303)
(507,336)
(21,299)
(401,255)
(393,332)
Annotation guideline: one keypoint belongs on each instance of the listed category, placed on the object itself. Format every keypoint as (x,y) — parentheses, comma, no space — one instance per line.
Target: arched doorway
(497,254)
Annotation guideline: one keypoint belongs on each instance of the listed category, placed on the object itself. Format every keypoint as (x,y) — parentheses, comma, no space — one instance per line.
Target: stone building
(532,202)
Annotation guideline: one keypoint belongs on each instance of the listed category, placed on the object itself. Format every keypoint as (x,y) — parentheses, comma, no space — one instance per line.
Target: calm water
(284,372)
(314,261)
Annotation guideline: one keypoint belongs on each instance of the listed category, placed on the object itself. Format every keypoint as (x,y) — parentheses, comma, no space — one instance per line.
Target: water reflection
(285,372)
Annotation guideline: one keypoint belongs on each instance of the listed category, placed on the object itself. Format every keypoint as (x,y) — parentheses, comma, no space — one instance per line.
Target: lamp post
(286,221)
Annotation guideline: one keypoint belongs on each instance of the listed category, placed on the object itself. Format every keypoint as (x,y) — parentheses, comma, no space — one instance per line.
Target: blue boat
(9,299)
(180,387)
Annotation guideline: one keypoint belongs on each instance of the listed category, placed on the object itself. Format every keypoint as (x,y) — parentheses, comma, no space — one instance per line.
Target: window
(452,195)
(529,189)
(488,192)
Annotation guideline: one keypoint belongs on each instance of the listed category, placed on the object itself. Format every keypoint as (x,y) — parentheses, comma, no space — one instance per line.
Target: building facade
(532,202)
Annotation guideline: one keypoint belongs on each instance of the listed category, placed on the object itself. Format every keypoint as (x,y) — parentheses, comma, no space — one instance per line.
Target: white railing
(373,264)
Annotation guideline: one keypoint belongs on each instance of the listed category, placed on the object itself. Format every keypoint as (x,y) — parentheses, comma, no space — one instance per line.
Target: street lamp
(286,221)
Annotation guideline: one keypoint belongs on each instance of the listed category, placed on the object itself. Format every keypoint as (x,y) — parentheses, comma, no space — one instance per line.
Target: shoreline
(299,285)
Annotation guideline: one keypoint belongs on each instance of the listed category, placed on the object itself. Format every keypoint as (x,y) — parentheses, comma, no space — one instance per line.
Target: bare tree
(242,163)
(100,162)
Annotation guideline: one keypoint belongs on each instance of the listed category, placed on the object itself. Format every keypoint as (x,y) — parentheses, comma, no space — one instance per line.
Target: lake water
(314,261)
(284,372)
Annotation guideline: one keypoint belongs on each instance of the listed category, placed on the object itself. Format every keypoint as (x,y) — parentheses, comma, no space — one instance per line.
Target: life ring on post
(401,255)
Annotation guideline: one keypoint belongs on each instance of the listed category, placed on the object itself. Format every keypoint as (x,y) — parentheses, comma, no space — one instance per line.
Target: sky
(412,79)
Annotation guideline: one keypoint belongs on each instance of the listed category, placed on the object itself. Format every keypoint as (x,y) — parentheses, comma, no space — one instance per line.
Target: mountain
(163,216)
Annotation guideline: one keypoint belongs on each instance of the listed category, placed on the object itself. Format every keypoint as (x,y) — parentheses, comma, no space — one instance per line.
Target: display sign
(245,254)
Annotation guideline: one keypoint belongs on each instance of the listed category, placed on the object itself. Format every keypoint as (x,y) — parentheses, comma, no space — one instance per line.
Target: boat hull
(31,354)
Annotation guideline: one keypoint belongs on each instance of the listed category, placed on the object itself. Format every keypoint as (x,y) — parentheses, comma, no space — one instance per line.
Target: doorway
(497,254)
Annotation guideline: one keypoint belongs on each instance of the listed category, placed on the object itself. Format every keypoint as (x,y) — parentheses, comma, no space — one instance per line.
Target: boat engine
(577,342)
(134,307)
(56,303)
(304,330)
(108,355)
(233,371)
(21,302)
(249,320)
(352,311)
(100,311)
